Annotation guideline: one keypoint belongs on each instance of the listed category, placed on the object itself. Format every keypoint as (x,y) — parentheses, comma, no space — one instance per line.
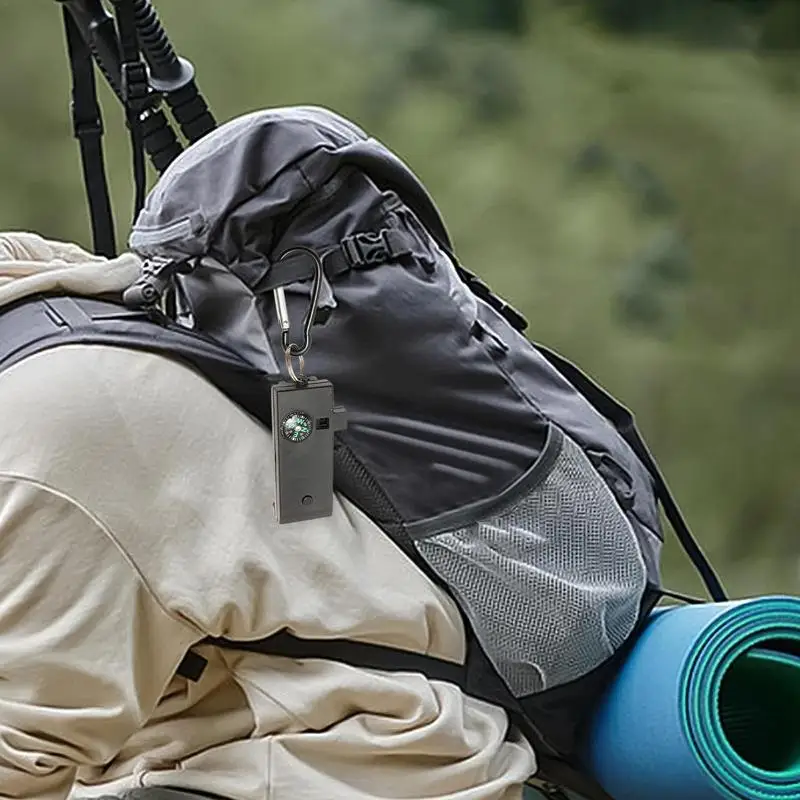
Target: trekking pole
(116,45)
(169,76)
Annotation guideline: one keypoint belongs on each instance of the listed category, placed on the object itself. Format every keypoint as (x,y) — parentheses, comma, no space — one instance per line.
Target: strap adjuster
(367,249)
(134,85)
(85,126)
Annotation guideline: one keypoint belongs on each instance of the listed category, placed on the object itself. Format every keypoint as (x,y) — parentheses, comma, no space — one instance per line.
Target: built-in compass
(297,426)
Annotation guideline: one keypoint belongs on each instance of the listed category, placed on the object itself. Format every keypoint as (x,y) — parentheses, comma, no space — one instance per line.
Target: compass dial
(297,426)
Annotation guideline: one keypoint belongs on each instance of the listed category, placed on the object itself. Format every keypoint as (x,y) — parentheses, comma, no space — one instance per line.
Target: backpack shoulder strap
(43,322)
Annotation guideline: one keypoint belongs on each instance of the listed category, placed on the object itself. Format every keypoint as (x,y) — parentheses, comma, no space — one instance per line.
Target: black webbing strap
(135,90)
(356,654)
(624,422)
(87,123)
(358,251)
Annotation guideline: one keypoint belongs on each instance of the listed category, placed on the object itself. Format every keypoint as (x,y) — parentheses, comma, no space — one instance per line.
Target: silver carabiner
(292,349)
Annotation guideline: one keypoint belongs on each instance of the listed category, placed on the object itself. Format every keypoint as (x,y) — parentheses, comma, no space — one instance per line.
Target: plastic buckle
(367,249)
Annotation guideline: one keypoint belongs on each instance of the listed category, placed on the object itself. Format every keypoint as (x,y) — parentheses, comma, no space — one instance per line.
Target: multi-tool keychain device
(304,419)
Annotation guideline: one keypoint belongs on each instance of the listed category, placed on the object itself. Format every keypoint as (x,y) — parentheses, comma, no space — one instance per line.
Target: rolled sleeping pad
(706,706)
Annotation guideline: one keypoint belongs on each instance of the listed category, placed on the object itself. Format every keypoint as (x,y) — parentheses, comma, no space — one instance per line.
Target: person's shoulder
(82,383)
(79,403)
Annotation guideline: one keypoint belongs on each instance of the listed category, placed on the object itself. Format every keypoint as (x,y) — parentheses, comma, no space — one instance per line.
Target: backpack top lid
(191,212)
(223,207)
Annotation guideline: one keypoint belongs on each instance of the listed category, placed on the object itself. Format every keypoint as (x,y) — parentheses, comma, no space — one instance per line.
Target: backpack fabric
(504,473)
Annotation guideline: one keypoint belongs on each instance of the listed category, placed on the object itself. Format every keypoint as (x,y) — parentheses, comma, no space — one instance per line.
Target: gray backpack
(504,473)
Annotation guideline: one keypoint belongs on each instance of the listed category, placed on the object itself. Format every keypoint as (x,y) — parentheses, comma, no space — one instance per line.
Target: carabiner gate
(293,349)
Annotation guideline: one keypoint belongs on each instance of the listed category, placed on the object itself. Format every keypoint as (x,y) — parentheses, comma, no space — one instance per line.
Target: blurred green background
(626,172)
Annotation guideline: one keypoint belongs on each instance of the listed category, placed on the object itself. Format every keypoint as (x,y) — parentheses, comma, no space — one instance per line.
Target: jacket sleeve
(85,649)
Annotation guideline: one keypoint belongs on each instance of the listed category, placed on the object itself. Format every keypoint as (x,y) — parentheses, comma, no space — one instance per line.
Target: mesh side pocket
(551,585)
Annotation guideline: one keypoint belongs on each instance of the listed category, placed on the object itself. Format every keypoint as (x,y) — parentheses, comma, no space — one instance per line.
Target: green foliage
(505,16)
(774,24)
(635,16)
(780,31)
(637,199)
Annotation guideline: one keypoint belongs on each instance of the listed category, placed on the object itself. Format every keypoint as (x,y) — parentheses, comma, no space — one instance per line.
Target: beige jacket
(136,519)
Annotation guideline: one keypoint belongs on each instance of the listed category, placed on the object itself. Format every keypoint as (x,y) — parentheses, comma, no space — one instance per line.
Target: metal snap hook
(311,312)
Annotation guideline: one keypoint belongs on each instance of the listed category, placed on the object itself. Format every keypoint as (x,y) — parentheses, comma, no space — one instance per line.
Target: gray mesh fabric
(552,585)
